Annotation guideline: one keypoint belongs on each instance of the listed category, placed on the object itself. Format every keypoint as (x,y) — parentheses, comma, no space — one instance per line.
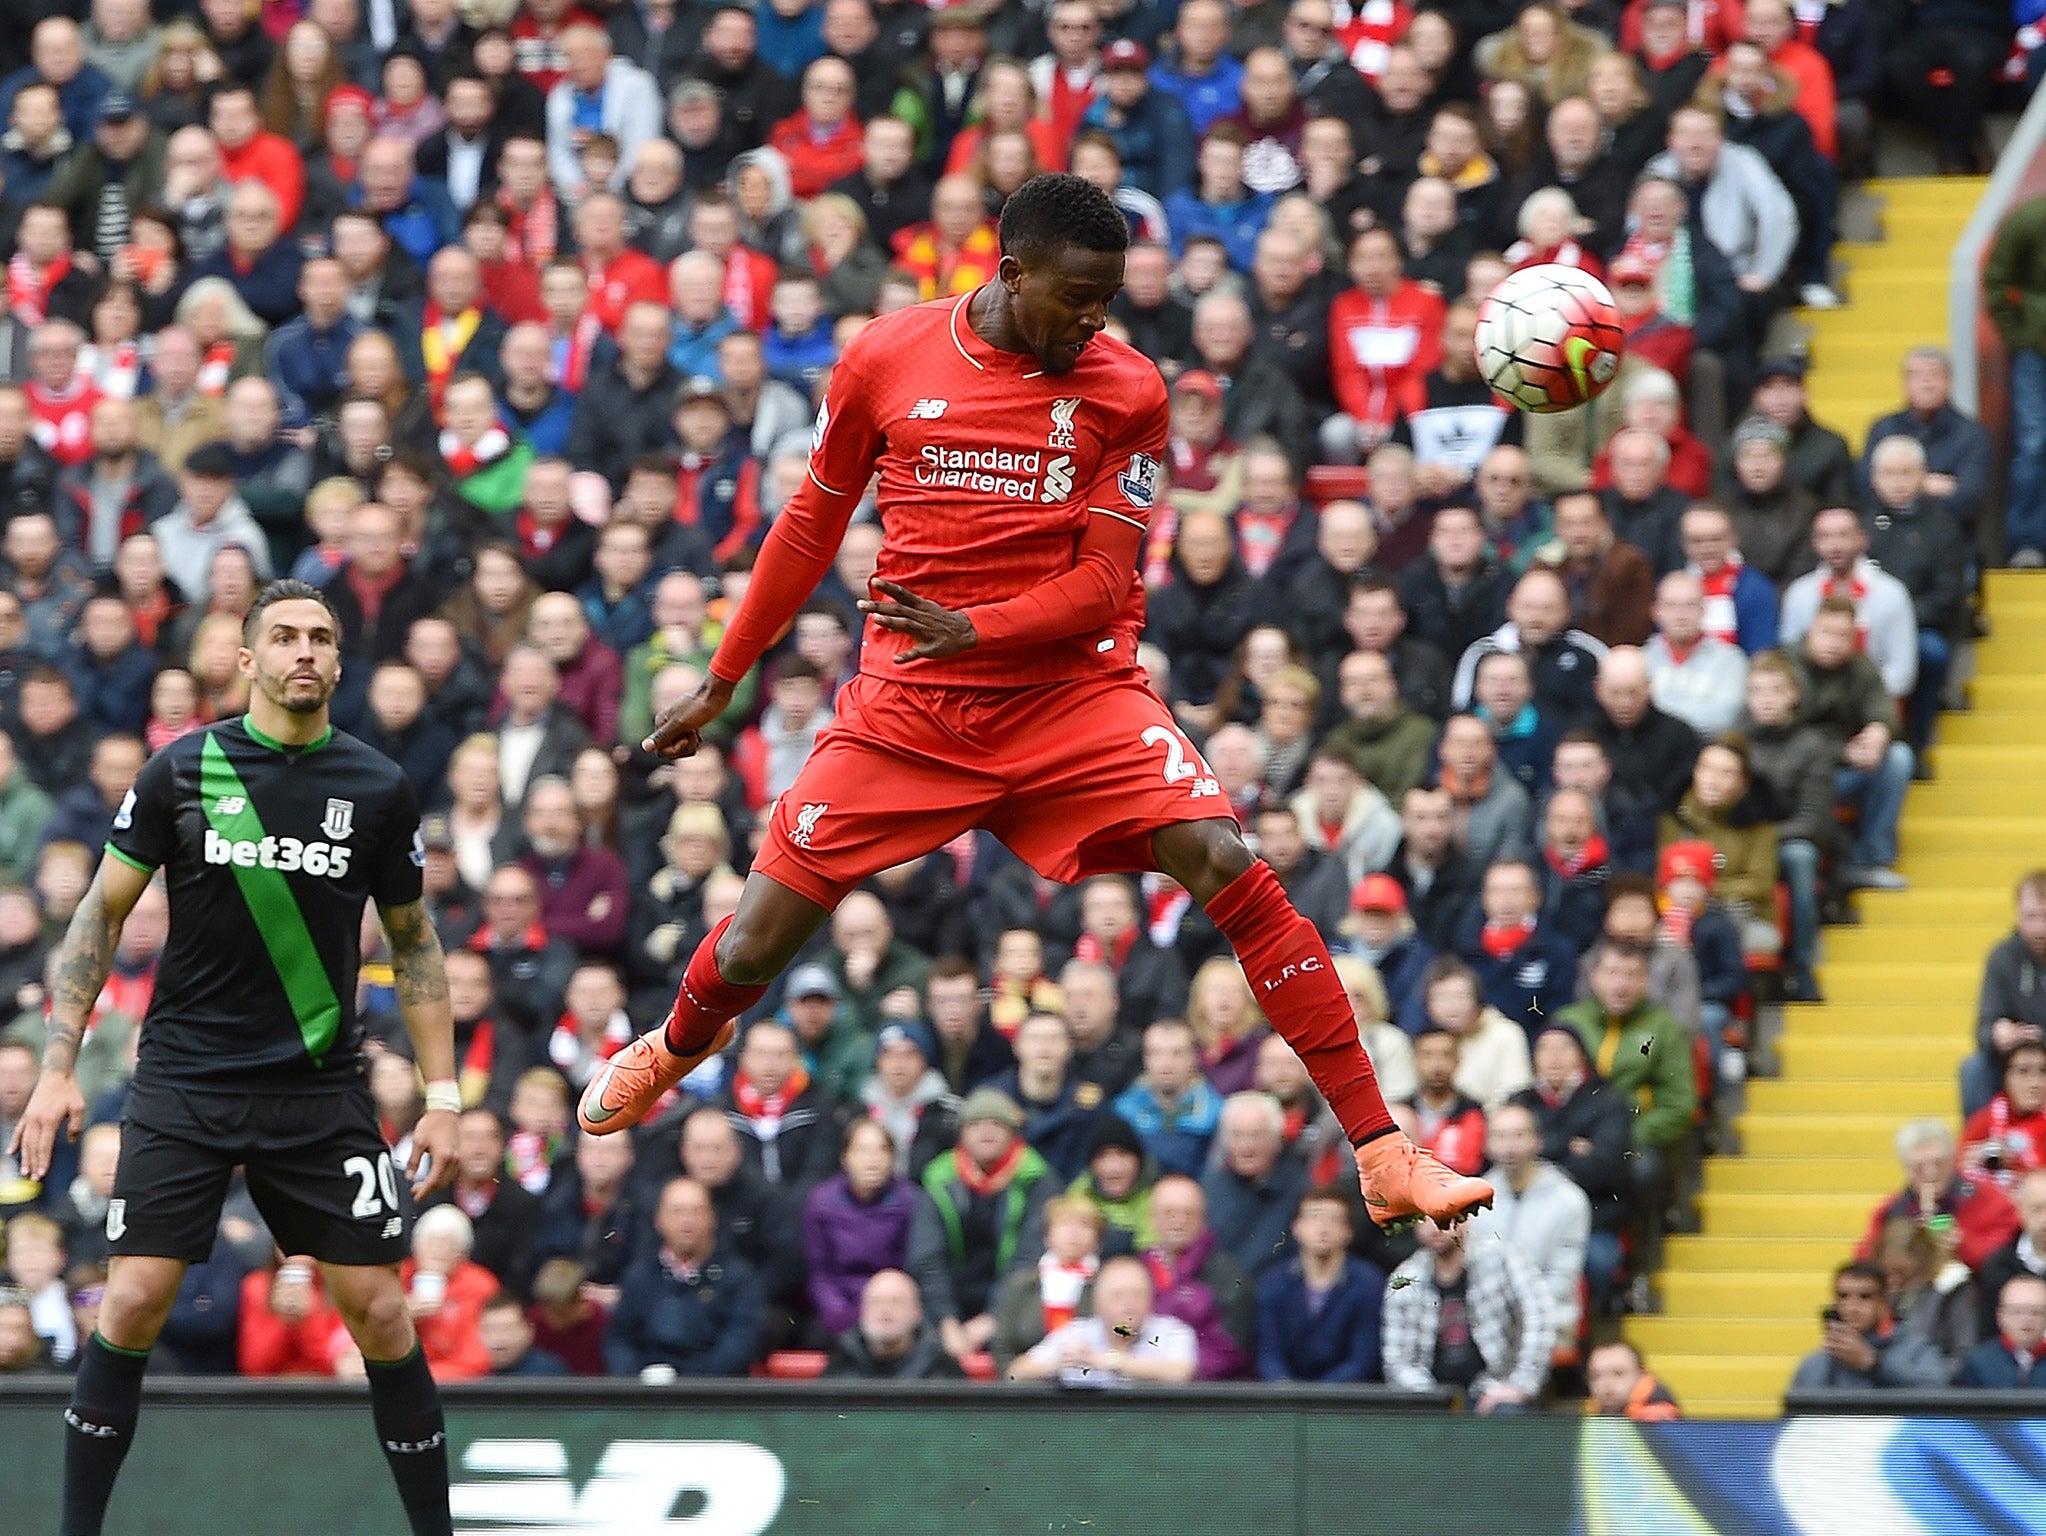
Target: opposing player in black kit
(270,832)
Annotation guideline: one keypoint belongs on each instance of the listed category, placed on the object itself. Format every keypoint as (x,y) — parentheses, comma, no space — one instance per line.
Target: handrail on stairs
(1964,268)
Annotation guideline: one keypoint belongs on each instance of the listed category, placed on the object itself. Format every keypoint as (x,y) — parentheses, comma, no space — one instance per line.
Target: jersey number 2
(372,1179)
(1177,769)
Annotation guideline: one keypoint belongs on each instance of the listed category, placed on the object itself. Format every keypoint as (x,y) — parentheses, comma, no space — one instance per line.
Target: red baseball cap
(1125,53)
(1200,382)
(1378,893)
(1699,860)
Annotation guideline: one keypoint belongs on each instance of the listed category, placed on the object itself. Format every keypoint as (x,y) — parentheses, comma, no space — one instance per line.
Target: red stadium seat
(1335,482)
(795,1364)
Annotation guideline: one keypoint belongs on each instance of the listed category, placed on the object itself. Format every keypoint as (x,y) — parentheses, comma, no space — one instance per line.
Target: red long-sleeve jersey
(1381,351)
(992,472)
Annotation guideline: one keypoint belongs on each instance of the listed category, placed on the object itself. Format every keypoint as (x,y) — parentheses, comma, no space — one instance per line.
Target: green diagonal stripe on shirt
(267,895)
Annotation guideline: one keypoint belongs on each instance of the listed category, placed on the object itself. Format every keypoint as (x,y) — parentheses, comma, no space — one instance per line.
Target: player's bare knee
(138,1302)
(1203,856)
(377,1318)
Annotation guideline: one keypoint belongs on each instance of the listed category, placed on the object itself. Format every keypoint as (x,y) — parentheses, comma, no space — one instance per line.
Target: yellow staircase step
(1804,1096)
(1744,1213)
(1995,834)
(1728,1335)
(1934,869)
(1835,1057)
(1726,1386)
(1732,1292)
(1927,985)
(1701,1253)
(1763,1175)
(1817,1135)
(1893,1026)
(1892,943)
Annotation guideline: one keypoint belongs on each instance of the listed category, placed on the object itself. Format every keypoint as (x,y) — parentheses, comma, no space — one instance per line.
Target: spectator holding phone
(1863,1347)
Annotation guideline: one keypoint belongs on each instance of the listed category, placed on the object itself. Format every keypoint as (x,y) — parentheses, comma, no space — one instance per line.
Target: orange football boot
(1402,1183)
(631,1083)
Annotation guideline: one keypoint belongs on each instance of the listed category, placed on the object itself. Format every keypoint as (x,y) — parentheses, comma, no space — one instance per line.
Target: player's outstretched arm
(420,972)
(83,961)
(796,553)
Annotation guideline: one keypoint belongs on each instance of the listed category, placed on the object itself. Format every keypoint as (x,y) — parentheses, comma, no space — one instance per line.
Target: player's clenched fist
(679,731)
(938,631)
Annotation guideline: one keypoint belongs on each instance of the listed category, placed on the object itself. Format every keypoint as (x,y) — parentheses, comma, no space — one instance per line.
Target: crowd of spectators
(1948,1284)
(506,322)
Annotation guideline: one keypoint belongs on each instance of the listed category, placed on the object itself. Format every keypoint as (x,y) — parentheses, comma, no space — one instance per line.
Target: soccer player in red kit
(1019,454)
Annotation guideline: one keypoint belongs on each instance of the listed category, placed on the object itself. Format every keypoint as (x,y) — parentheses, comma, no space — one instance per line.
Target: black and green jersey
(269,853)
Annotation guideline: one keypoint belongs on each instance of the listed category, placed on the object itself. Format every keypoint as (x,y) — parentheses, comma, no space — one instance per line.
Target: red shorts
(1074,777)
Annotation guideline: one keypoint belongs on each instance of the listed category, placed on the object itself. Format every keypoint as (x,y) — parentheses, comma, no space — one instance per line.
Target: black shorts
(316,1165)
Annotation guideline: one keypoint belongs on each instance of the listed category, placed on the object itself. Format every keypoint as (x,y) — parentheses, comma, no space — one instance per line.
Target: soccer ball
(1549,338)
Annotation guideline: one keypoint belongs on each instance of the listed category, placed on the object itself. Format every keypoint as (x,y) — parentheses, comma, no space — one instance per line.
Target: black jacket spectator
(1656,754)
(1922,546)
(367,641)
(422,749)
(1601,1120)
(602,1241)
(1262,400)
(1199,628)
(706,1322)
(615,422)
(926,1359)
(1452,620)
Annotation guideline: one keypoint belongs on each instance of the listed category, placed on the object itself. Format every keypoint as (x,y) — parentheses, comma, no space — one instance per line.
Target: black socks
(406,1406)
(99,1426)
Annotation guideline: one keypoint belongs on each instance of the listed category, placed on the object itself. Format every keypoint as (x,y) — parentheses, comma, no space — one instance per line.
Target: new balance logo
(230,805)
(928,410)
(806,823)
(394,1227)
(528,1488)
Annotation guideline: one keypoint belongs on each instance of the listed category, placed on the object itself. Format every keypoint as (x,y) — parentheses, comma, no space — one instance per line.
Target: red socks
(1296,985)
(706,1001)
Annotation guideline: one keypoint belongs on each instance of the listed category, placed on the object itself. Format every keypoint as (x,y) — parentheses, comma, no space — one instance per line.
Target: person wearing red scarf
(957,250)
(1527,969)
(1576,865)
(1652,335)
(529,968)
(42,278)
(457,330)
(782,1121)
(524,197)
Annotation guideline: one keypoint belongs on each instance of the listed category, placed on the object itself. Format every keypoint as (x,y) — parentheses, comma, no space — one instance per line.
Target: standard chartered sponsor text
(996,472)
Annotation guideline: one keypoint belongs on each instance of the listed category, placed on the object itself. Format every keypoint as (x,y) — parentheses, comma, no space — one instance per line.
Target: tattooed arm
(421,974)
(80,971)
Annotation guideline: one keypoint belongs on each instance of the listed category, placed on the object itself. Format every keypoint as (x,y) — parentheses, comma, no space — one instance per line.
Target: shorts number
(372,1179)
(1177,769)
(1176,765)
